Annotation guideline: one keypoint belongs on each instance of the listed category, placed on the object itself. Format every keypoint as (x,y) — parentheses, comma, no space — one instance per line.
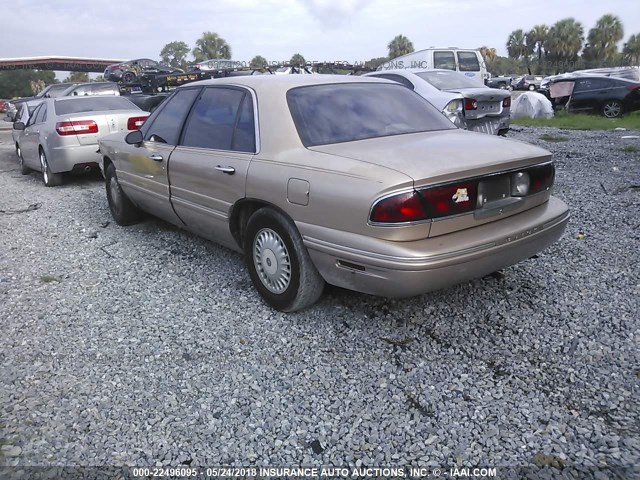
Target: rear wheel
(612,109)
(124,212)
(278,262)
(532,88)
(49,178)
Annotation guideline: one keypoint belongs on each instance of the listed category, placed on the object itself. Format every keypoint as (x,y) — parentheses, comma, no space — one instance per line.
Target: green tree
(602,46)
(175,54)
(489,54)
(258,62)
(17,83)
(399,46)
(298,60)
(536,38)
(77,77)
(563,43)
(211,45)
(375,62)
(630,52)
(99,78)
(517,47)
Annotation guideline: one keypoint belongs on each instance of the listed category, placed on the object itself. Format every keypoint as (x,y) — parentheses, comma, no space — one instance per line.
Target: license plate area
(493,189)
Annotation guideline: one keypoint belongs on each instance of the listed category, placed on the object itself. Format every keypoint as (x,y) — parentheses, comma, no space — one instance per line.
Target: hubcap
(611,110)
(45,169)
(272,261)
(115,197)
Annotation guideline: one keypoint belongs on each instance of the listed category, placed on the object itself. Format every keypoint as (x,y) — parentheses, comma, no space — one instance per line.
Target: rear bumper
(404,269)
(73,158)
(490,125)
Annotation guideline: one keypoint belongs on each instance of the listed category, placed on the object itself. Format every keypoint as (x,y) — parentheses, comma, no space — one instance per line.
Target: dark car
(611,97)
(503,82)
(529,82)
(131,71)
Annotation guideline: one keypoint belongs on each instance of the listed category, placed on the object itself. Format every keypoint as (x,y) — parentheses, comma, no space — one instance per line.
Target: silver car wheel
(45,168)
(272,262)
(612,109)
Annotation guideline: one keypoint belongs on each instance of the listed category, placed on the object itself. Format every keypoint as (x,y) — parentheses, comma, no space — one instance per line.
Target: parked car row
(354,181)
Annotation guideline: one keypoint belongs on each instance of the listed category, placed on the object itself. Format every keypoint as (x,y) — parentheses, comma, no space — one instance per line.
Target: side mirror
(134,138)
(18,126)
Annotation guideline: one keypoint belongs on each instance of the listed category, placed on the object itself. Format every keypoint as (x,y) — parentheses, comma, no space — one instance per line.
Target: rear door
(142,170)
(208,169)
(470,65)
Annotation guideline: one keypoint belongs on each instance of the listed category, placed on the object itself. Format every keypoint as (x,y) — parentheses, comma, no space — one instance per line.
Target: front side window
(335,113)
(222,119)
(444,60)
(35,114)
(468,62)
(167,125)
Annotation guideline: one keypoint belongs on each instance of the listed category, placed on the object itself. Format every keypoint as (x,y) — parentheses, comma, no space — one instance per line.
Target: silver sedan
(62,134)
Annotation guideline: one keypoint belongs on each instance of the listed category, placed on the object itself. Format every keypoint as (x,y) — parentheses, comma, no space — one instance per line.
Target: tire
(24,170)
(612,109)
(128,77)
(123,211)
(502,86)
(49,178)
(278,262)
(532,88)
(510,88)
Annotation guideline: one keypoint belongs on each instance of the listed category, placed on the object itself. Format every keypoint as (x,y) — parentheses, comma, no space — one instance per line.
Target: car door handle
(227,170)
(156,158)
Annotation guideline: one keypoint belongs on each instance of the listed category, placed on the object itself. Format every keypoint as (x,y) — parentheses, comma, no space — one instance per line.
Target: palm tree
(258,62)
(399,46)
(518,48)
(489,54)
(536,38)
(631,50)
(604,37)
(210,45)
(297,60)
(564,42)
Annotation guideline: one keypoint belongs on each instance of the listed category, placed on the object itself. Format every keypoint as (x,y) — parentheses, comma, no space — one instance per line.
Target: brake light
(633,88)
(506,102)
(77,127)
(134,123)
(470,104)
(451,199)
(542,177)
(404,207)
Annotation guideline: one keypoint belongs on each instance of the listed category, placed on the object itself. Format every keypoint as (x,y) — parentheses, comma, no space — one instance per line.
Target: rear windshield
(65,106)
(448,80)
(326,114)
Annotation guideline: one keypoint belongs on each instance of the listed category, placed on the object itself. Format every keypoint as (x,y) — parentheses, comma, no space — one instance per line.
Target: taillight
(452,199)
(506,102)
(404,207)
(77,127)
(634,88)
(470,104)
(134,123)
(541,177)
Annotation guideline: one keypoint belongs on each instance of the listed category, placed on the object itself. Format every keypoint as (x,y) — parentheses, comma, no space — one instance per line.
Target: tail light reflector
(134,123)
(634,88)
(470,104)
(404,207)
(506,102)
(77,127)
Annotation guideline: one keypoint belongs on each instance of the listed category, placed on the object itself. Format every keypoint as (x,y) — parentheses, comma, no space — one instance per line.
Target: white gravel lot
(148,346)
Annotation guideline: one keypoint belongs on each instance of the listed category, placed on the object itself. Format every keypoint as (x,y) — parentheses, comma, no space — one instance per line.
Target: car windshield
(326,114)
(65,106)
(448,80)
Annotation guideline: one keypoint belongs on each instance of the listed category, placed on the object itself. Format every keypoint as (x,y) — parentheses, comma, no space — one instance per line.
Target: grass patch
(630,148)
(48,279)
(582,121)
(553,138)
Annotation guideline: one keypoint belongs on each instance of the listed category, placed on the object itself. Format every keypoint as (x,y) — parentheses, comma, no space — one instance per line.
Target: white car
(467,104)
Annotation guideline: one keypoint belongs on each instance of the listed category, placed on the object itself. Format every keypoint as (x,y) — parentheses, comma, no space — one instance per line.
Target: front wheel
(49,178)
(278,262)
(24,170)
(612,109)
(124,212)
(128,77)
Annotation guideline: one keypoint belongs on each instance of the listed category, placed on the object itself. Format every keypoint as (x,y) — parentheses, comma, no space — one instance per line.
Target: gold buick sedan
(357,182)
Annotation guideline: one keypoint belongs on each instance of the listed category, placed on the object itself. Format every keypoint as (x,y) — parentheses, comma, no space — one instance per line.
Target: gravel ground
(146,345)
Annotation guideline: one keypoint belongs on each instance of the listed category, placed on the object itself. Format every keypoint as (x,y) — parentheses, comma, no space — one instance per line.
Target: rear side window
(167,125)
(326,114)
(444,60)
(222,119)
(468,62)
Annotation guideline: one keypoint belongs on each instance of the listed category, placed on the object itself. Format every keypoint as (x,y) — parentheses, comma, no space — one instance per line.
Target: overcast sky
(321,30)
